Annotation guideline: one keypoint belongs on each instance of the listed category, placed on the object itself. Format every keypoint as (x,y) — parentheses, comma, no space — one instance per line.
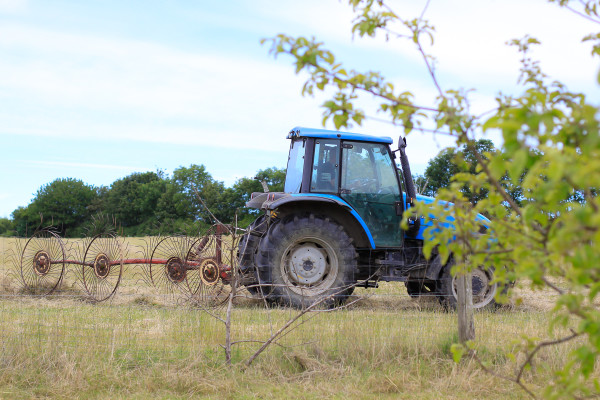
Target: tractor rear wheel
(484,291)
(307,259)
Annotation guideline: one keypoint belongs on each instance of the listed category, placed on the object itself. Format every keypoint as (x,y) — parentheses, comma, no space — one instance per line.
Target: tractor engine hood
(427,222)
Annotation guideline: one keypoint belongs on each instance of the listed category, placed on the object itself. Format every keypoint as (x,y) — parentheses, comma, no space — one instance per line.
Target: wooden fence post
(464,294)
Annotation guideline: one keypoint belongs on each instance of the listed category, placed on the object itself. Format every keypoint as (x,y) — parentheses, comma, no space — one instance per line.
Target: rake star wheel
(102,267)
(208,289)
(42,263)
(169,266)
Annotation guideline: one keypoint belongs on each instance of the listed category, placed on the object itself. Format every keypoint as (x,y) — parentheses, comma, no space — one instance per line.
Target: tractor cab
(356,171)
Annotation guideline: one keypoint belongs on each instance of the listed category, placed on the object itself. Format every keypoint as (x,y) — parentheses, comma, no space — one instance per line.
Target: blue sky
(96,90)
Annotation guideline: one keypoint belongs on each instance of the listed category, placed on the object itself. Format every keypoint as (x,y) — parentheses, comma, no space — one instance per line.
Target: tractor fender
(271,201)
(278,202)
(330,206)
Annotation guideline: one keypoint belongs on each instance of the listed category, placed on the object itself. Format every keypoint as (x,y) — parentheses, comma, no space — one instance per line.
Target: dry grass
(138,346)
(64,349)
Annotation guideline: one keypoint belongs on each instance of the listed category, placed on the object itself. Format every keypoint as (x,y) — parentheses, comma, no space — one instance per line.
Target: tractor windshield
(293,177)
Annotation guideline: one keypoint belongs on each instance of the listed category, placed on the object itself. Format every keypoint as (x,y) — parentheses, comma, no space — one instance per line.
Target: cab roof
(299,132)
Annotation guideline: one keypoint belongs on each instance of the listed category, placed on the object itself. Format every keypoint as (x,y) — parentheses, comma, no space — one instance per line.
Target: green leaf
(517,166)
(340,120)
(457,350)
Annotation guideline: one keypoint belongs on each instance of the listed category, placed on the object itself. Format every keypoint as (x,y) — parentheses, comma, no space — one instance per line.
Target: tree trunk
(464,292)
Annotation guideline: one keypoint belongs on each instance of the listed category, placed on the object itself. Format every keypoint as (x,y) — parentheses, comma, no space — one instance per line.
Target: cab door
(369,183)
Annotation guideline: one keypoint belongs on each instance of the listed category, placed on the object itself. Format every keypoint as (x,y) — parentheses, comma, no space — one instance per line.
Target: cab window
(325,169)
(368,168)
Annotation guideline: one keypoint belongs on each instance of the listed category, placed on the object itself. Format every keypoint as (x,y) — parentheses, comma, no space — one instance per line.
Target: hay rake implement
(193,268)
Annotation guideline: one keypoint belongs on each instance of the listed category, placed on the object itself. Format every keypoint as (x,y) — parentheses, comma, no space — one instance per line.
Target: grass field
(137,346)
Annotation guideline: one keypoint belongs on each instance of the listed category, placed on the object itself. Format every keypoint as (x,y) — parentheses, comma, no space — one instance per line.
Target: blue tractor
(336,226)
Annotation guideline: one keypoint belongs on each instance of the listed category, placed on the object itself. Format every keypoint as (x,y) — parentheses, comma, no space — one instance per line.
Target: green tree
(25,221)
(173,204)
(7,227)
(440,170)
(551,142)
(63,203)
(443,167)
(133,200)
(200,192)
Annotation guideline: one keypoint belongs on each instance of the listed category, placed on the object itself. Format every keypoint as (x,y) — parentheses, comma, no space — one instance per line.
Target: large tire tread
(294,228)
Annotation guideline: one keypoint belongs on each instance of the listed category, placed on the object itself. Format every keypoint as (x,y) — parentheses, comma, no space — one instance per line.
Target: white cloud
(142,91)
(470,38)
(82,85)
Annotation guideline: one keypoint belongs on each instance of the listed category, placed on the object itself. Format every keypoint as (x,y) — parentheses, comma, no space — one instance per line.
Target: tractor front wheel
(307,259)
(484,289)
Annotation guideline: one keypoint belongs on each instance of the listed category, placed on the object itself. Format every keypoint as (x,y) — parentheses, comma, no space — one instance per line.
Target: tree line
(143,203)
(149,203)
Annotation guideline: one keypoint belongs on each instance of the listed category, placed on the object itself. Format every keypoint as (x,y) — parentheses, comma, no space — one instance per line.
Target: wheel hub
(209,272)
(102,265)
(477,285)
(481,287)
(483,291)
(175,270)
(41,263)
(307,264)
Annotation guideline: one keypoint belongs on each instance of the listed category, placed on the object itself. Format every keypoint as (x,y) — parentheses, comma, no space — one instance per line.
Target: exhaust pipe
(411,193)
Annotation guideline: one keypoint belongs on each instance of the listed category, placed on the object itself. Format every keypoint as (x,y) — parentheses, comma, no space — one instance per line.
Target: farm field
(140,346)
